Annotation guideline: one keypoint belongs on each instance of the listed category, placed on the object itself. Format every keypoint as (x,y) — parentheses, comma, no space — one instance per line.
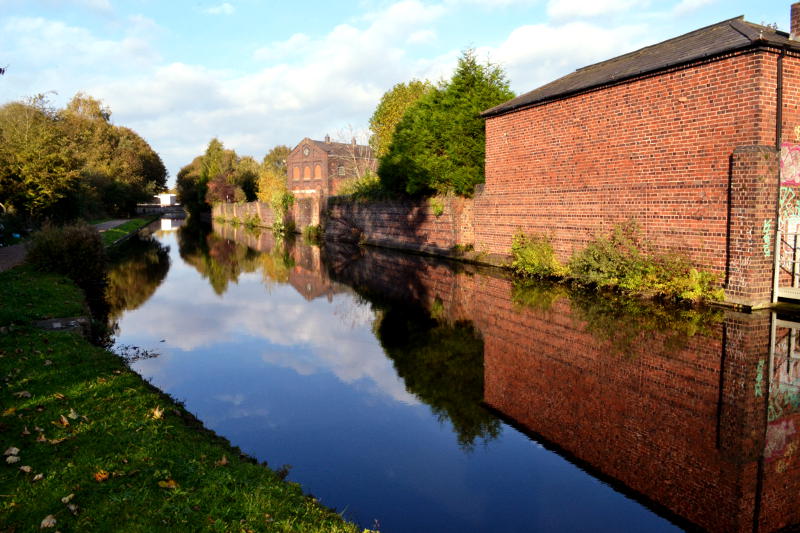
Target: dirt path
(11,256)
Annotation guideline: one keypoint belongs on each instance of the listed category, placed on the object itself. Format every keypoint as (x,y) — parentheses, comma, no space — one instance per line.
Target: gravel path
(11,256)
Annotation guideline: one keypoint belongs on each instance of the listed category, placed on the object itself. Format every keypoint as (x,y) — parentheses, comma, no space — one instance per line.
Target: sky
(255,74)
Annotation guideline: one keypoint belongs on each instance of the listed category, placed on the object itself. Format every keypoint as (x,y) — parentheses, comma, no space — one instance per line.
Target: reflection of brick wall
(650,419)
(681,425)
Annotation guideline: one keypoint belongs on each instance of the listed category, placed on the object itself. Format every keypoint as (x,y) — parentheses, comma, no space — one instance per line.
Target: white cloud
(688,6)
(572,9)
(225,8)
(537,54)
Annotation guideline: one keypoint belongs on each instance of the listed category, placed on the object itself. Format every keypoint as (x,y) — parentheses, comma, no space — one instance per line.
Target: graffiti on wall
(790,164)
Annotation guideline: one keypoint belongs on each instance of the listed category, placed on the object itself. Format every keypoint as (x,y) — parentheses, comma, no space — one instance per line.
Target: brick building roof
(721,38)
(346,150)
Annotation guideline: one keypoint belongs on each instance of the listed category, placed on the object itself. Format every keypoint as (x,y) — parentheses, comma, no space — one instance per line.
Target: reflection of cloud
(235,399)
(307,337)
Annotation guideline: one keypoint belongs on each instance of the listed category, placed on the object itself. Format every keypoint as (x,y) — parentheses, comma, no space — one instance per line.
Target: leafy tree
(245,176)
(187,184)
(38,170)
(276,158)
(439,144)
(393,105)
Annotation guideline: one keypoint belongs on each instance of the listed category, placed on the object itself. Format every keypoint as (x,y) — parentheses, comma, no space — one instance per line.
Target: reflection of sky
(307,384)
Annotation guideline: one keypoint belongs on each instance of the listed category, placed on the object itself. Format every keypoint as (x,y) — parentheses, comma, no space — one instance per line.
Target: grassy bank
(114,235)
(90,446)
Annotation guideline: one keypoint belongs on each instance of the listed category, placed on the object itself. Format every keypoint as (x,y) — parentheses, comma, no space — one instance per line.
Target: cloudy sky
(257,73)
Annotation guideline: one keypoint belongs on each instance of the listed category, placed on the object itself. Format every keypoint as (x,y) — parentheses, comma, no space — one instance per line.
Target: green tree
(38,170)
(393,105)
(276,158)
(187,184)
(439,144)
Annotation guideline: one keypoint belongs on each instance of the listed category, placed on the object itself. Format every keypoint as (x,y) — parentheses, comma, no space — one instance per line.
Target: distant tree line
(63,164)
(220,175)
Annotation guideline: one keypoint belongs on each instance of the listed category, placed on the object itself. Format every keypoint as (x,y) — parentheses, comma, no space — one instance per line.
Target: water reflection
(691,415)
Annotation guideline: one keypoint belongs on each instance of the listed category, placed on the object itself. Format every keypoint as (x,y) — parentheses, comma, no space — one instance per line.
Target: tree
(245,177)
(38,169)
(276,158)
(438,145)
(393,105)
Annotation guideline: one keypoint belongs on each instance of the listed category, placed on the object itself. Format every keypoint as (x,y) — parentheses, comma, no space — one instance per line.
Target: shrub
(75,251)
(437,206)
(312,234)
(367,187)
(624,261)
(533,257)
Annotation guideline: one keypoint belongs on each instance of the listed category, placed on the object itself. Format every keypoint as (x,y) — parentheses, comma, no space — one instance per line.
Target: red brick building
(320,167)
(694,138)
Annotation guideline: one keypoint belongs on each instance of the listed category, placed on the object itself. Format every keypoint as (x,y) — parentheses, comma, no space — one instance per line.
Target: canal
(414,395)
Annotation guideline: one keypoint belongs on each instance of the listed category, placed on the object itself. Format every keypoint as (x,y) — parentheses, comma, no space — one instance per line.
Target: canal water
(414,395)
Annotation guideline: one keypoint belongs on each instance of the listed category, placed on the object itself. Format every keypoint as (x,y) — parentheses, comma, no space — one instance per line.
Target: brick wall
(305,212)
(411,224)
(657,149)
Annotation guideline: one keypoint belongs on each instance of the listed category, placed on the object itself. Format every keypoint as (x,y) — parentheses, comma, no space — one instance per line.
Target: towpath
(11,256)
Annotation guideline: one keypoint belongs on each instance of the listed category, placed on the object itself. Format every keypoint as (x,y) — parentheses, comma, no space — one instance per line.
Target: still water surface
(414,395)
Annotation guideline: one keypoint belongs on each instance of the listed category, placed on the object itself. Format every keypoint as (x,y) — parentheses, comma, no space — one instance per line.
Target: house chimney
(795,22)
(327,139)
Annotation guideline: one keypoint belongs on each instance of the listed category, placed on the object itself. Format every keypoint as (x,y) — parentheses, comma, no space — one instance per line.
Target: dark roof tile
(723,37)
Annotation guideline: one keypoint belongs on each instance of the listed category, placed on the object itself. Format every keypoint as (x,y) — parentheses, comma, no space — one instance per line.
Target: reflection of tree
(626,323)
(217,259)
(137,270)
(442,364)
(277,263)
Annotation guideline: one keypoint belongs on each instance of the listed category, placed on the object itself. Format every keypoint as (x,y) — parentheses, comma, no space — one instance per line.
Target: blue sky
(256,74)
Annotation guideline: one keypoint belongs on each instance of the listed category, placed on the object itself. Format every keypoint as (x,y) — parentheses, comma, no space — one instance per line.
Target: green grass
(92,433)
(31,295)
(113,235)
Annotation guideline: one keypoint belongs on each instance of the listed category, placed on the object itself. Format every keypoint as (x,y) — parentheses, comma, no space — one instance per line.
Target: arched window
(317,172)
(307,173)
(296,173)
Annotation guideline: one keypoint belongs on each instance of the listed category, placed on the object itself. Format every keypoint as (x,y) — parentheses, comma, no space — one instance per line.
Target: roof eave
(761,43)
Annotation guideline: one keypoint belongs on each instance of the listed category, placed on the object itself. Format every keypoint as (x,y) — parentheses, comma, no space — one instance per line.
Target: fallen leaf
(168,484)
(67,499)
(25,431)
(222,462)
(22,394)
(49,521)
(10,411)
(47,362)
(11,459)
(157,413)
(62,421)
(72,414)
(58,396)
(38,477)
(41,438)
(26,469)
(58,441)
(72,508)
(37,428)
(100,476)
(11,451)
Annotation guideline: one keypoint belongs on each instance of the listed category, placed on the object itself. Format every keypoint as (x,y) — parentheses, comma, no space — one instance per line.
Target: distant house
(318,168)
(695,138)
(166,199)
